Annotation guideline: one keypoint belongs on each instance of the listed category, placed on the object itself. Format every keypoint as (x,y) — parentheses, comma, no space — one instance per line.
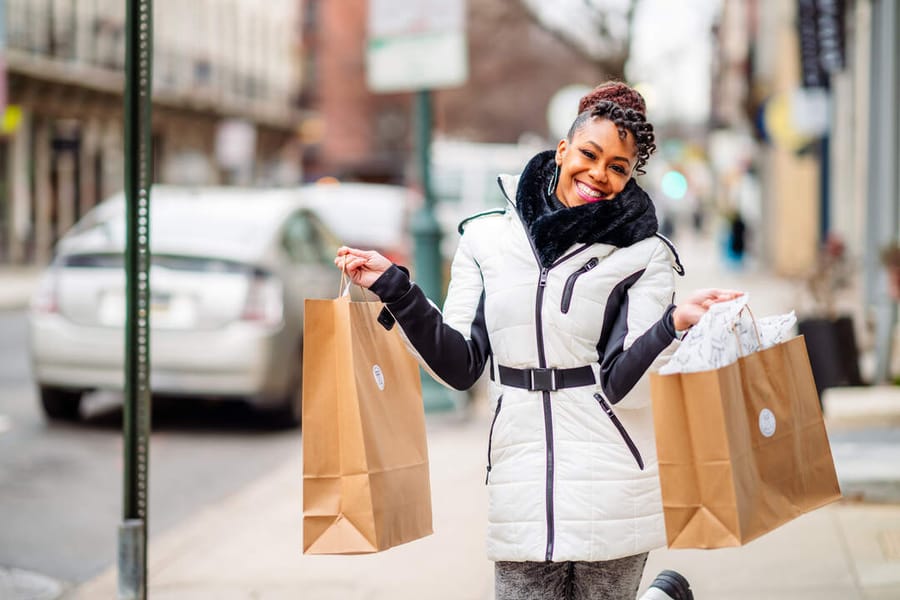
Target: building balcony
(83,45)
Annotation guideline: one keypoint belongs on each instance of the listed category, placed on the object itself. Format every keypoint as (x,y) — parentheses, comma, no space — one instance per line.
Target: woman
(566,297)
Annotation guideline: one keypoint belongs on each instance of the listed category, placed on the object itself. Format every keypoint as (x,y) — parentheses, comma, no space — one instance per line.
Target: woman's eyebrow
(623,159)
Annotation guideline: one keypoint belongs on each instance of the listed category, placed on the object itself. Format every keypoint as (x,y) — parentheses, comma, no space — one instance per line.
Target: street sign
(416,45)
(820,27)
(2,56)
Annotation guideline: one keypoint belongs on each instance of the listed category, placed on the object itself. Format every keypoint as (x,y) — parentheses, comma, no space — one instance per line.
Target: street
(61,484)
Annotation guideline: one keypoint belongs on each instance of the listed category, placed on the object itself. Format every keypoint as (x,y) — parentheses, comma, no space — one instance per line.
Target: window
(302,241)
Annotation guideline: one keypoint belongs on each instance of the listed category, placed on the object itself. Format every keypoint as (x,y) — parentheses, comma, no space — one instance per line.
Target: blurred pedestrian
(566,295)
(736,239)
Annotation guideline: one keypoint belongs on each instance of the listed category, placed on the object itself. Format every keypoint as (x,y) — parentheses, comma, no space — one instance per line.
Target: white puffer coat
(572,473)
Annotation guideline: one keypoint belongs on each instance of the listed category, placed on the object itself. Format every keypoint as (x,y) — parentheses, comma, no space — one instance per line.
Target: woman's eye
(618,169)
(588,154)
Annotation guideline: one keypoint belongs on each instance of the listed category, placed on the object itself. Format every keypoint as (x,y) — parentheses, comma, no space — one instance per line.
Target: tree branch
(613,57)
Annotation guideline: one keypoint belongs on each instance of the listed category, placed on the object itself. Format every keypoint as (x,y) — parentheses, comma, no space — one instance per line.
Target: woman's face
(595,165)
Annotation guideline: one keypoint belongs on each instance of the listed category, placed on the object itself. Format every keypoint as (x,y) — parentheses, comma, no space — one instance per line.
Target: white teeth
(588,191)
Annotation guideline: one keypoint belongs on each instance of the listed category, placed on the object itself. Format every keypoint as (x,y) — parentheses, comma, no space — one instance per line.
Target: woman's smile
(589,193)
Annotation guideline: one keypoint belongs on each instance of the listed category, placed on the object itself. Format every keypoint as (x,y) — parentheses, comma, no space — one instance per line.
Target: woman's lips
(587,193)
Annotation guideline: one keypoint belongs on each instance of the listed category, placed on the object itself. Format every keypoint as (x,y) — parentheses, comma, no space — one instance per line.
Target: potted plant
(829,333)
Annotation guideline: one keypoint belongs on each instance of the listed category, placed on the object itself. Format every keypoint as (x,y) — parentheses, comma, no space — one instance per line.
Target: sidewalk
(249,545)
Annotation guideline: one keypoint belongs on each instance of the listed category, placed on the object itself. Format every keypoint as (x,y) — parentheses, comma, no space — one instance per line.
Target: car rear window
(175,263)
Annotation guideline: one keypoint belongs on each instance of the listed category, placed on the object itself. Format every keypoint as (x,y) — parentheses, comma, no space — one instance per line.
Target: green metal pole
(425,228)
(427,236)
(132,559)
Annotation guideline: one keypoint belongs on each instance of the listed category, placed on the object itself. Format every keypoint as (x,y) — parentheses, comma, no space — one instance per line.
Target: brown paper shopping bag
(742,449)
(365,460)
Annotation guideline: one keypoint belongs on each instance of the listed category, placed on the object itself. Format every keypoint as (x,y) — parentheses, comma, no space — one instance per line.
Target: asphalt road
(61,484)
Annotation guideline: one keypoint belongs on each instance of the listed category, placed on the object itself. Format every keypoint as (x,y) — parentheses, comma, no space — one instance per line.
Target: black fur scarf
(623,221)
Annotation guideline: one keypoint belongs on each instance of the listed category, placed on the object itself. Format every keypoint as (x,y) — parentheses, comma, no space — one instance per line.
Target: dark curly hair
(620,93)
(625,119)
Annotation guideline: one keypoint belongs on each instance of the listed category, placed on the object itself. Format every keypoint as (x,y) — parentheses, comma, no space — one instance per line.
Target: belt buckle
(543,380)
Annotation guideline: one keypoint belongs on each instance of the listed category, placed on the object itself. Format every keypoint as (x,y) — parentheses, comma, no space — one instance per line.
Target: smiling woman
(566,296)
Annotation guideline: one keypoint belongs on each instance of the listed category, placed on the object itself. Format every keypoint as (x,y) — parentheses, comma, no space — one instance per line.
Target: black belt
(546,379)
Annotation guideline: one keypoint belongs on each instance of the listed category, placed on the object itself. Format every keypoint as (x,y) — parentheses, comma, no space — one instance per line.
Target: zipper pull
(591,264)
(545,273)
(604,404)
(487,476)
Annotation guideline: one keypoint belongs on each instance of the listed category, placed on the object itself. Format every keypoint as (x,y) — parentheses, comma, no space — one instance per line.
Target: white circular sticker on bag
(767,422)
(379,377)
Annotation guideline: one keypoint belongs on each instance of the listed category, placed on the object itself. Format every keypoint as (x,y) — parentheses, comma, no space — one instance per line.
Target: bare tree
(599,30)
(515,67)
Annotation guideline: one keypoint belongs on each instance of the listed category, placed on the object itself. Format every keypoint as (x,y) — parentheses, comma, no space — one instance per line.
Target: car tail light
(264,302)
(45,298)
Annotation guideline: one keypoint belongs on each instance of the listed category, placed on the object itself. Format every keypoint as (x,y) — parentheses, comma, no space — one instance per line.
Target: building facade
(226,78)
(818,84)
(354,134)
(515,67)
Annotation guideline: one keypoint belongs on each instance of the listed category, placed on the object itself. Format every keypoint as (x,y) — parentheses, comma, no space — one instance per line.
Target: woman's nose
(598,173)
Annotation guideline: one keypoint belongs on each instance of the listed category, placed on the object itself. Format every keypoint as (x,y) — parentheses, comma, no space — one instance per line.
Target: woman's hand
(362,266)
(688,312)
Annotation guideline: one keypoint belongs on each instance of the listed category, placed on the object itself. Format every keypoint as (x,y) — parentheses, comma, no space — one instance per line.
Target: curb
(860,407)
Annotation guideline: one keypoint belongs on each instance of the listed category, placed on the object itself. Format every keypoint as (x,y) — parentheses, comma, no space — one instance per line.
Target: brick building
(220,67)
(515,66)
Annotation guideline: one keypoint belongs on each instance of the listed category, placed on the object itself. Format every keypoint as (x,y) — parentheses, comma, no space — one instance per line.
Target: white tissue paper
(712,342)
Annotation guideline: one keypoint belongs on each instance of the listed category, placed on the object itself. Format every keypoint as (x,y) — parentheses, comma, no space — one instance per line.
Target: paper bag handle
(344,288)
(755,329)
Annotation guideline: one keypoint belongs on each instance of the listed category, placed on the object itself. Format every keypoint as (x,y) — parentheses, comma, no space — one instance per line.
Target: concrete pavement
(249,545)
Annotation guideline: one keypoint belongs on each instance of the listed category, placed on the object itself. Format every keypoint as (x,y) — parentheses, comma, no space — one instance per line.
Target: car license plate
(165,310)
(159,304)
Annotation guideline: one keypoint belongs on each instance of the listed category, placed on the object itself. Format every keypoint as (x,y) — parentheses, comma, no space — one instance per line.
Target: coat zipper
(622,431)
(542,363)
(548,410)
(487,477)
(570,283)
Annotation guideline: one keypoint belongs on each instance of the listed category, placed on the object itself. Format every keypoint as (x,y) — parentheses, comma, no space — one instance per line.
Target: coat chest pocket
(569,289)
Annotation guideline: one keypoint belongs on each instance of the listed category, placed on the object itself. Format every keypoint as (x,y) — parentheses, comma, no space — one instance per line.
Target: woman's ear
(561,150)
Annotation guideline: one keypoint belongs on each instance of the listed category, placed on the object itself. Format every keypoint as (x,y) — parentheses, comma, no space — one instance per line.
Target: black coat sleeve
(452,346)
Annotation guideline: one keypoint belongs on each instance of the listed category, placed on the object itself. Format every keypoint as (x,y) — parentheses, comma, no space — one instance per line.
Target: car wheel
(61,404)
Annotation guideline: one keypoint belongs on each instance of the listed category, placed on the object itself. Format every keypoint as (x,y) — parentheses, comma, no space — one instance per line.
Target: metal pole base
(131,560)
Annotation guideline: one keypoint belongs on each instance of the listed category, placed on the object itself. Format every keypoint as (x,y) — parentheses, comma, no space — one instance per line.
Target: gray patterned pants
(607,580)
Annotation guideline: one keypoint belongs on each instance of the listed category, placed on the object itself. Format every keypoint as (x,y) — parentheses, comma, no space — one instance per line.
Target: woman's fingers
(351,258)
(354,252)
(728,294)
(711,296)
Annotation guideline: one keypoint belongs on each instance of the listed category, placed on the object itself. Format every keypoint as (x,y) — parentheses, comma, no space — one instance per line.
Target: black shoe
(669,585)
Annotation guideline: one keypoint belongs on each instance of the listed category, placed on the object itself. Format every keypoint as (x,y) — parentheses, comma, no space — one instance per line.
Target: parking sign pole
(132,555)
(427,236)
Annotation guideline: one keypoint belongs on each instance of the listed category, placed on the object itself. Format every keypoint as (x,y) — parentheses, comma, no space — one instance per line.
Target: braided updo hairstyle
(618,92)
(626,108)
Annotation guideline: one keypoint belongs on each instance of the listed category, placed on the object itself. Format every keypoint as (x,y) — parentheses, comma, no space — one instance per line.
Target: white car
(371,216)
(230,270)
